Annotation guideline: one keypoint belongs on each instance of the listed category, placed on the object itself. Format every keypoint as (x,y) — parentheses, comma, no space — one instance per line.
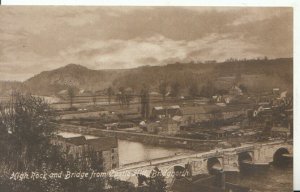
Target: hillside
(254,74)
(51,82)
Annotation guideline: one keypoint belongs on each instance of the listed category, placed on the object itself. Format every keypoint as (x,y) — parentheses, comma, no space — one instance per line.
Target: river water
(130,152)
(275,179)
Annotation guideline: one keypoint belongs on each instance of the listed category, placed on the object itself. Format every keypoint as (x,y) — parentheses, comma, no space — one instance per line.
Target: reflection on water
(130,152)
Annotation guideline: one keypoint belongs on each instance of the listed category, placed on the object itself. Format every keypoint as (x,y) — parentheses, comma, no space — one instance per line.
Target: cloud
(157,50)
(33,39)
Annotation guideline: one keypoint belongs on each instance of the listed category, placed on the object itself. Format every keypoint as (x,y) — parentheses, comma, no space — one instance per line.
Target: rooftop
(73,135)
(98,143)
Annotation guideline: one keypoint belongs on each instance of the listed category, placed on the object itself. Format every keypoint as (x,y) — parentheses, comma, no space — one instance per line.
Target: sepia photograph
(146,99)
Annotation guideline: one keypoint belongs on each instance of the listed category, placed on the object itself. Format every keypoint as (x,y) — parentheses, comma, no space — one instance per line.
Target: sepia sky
(35,39)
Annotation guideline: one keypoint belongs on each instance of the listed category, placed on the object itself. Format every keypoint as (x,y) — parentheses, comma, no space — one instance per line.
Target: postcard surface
(146,98)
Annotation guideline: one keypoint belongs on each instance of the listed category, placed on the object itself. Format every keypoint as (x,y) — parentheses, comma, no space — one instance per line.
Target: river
(130,152)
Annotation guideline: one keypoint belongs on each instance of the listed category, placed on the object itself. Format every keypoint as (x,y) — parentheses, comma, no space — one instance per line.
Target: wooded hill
(255,75)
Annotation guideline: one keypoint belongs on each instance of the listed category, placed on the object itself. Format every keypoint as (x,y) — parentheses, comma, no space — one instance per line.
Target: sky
(40,38)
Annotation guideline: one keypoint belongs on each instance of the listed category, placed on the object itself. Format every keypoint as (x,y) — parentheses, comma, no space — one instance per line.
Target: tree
(193,90)
(121,186)
(124,97)
(26,131)
(145,102)
(163,89)
(119,97)
(243,88)
(71,94)
(209,89)
(175,89)
(110,93)
(128,96)
(222,91)
(94,99)
(214,117)
(157,181)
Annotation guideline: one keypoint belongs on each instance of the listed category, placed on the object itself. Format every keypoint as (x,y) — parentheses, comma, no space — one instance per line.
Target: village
(222,121)
(229,119)
(224,117)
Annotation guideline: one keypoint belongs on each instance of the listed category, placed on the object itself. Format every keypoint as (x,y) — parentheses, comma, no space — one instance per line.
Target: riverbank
(148,139)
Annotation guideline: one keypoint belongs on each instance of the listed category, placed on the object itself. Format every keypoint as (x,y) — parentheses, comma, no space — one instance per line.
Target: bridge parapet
(265,152)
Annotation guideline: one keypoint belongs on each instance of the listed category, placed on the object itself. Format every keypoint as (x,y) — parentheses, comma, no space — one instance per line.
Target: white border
(253,3)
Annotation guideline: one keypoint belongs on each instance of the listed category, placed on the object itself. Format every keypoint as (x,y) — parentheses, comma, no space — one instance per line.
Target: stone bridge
(206,162)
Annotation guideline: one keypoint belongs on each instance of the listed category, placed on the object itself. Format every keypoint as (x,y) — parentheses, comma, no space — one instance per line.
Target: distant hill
(254,74)
(52,82)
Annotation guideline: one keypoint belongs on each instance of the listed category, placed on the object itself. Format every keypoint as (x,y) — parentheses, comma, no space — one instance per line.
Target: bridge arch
(280,158)
(178,170)
(245,157)
(214,165)
(244,160)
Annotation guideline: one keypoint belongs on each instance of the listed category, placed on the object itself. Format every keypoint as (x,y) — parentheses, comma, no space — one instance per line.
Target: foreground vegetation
(25,147)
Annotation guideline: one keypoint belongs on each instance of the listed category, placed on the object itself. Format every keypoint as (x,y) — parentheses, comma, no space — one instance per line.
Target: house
(159,112)
(275,91)
(111,126)
(235,90)
(170,126)
(229,112)
(217,98)
(173,110)
(227,98)
(207,113)
(178,119)
(195,114)
(225,131)
(82,147)
(154,127)
(282,132)
(230,130)
(218,134)
(201,101)
(167,126)
(263,109)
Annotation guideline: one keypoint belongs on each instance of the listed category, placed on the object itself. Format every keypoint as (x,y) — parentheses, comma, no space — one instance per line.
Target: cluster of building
(172,119)
(220,118)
